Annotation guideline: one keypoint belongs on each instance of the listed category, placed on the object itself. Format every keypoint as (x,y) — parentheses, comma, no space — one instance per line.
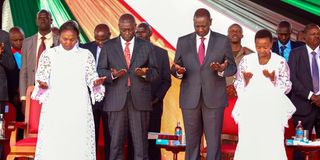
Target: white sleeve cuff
(310,94)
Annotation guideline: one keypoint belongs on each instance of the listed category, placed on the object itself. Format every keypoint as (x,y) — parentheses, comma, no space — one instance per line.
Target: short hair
(70,25)
(127,17)
(145,25)
(202,12)
(16,29)
(263,33)
(235,25)
(101,27)
(284,24)
(309,27)
(44,11)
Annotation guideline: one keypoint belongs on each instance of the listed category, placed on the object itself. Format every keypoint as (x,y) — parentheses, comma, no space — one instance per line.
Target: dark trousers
(154,126)
(98,114)
(137,122)
(199,120)
(308,122)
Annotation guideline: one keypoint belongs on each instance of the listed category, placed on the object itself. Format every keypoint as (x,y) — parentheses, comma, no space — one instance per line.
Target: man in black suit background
(101,35)
(130,65)
(159,88)
(7,64)
(304,71)
(284,45)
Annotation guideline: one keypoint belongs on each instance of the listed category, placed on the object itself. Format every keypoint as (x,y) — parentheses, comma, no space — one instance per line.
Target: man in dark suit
(129,63)
(202,61)
(159,88)
(284,45)
(7,64)
(101,35)
(304,71)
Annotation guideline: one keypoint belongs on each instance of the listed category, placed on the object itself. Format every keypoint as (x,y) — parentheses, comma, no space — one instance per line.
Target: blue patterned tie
(315,73)
(282,48)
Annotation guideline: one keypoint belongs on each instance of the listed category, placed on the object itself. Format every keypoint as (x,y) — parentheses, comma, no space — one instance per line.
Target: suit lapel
(135,50)
(193,45)
(94,49)
(120,52)
(209,47)
(305,58)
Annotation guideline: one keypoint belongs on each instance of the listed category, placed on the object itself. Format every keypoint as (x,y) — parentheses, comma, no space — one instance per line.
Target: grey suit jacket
(28,66)
(200,79)
(7,63)
(112,56)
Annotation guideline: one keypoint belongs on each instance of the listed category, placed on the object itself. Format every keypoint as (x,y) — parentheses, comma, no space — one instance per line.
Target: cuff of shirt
(22,98)
(221,74)
(310,94)
(113,77)
(179,75)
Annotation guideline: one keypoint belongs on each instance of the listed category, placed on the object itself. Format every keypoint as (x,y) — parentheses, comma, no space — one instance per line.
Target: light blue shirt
(286,50)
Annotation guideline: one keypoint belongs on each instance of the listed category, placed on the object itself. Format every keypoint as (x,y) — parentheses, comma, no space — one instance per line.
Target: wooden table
(305,149)
(175,149)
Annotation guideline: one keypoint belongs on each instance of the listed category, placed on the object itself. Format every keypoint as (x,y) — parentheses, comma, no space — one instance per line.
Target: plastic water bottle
(299,132)
(2,127)
(178,132)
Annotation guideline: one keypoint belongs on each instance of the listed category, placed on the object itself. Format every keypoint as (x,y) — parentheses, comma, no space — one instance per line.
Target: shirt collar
(206,36)
(310,50)
(48,36)
(124,41)
(288,45)
(13,50)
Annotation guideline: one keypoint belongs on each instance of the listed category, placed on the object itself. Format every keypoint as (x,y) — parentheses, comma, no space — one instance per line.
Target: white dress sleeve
(283,78)
(239,85)
(42,74)
(97,92)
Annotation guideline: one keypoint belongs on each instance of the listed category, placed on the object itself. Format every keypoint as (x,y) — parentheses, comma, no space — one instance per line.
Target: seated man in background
(284,45)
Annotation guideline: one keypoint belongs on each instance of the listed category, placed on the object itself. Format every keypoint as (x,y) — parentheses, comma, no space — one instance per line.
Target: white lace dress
(262,109)
(66,128)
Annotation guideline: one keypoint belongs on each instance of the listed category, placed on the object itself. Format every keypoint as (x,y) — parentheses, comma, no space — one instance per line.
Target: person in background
(101,35)
(66,126)
(202,61)
(16,36)
(301,37)
(304,70)
(55,30)
(159,88)
(284,45)
(130,66)
(235,35)
(254,107)
(32,49)
(7,65)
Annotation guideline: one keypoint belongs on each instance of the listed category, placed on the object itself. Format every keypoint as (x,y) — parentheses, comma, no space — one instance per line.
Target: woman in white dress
(66,127)
(262,109)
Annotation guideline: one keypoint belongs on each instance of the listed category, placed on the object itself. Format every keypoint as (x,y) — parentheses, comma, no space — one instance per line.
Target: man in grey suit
(202,61)
(130,65)
(32,48)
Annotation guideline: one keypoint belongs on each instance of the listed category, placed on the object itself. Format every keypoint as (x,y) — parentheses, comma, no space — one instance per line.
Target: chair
(26,146)
(229,134)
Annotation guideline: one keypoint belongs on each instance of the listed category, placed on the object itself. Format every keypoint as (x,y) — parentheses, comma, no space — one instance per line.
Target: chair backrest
(9,116)
(229,125)
(32,114)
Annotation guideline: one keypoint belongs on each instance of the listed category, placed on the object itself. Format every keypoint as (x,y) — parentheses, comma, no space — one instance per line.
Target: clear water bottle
(2,127)
(178,132)
(299,131)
